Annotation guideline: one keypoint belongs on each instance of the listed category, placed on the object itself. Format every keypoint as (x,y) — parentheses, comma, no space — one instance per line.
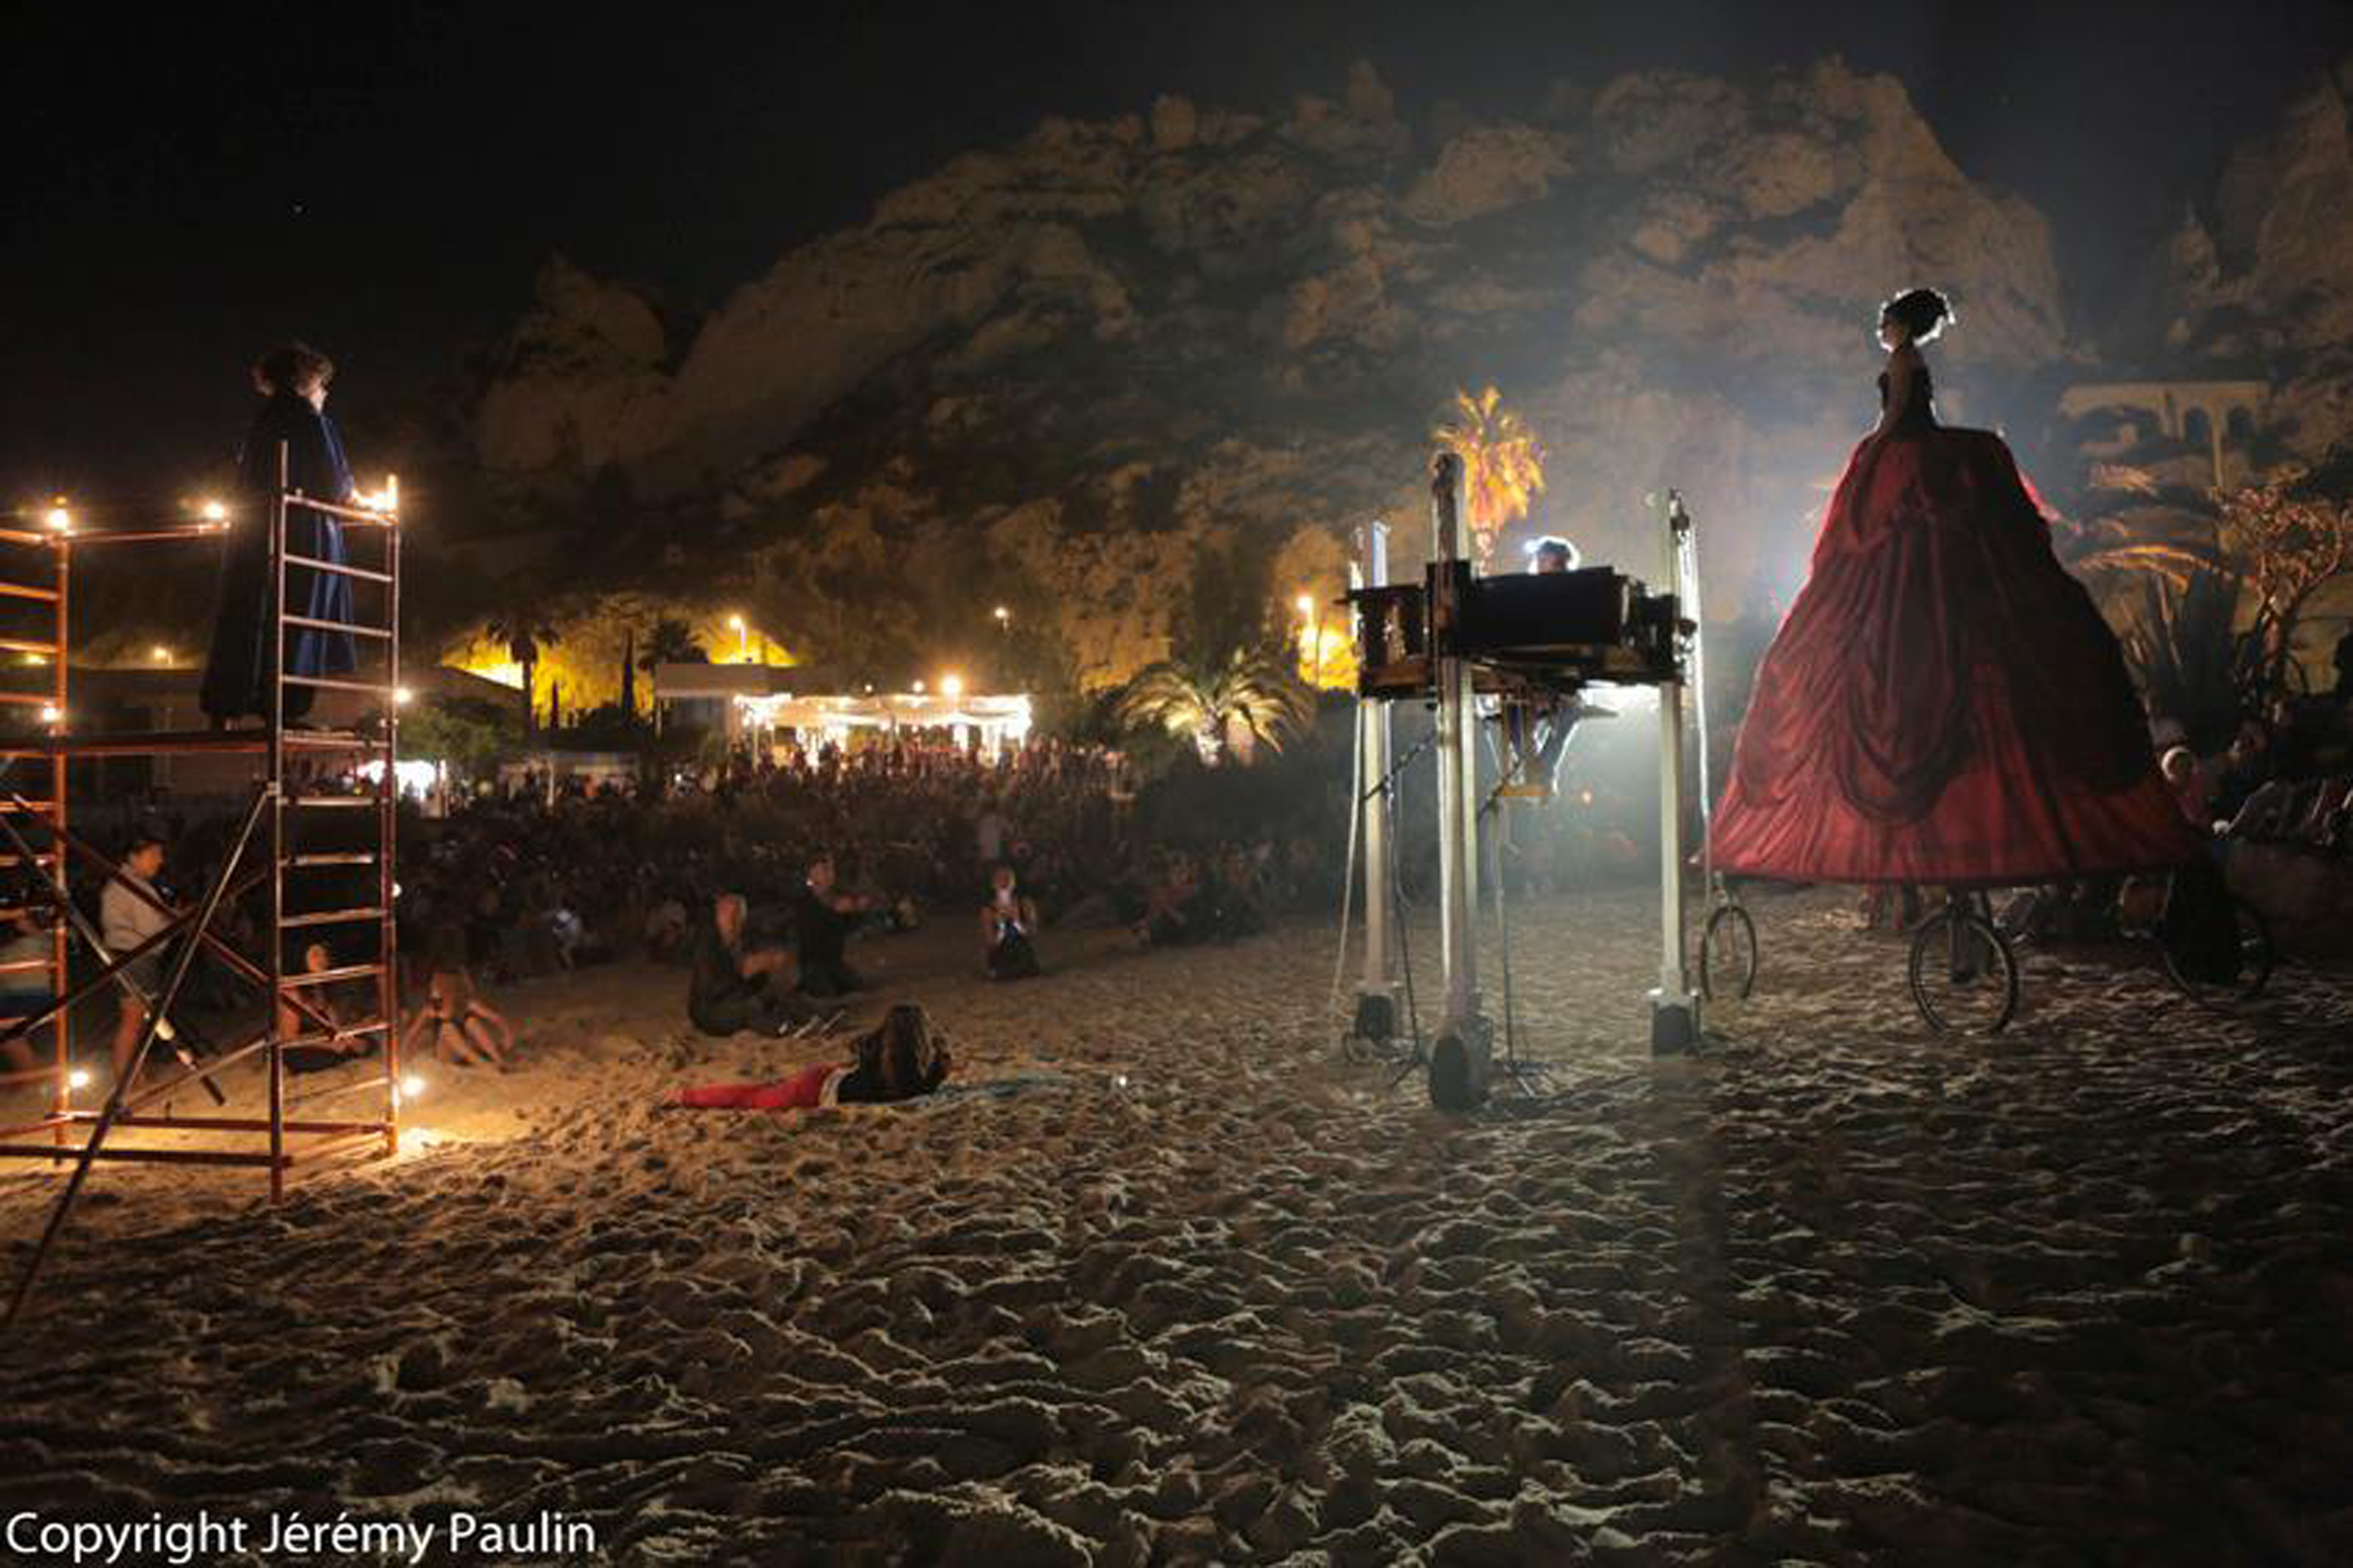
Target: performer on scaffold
(237,676)
(1538,731)
(1943,704)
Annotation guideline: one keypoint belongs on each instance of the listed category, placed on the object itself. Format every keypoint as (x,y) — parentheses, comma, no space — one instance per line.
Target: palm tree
(671,642)
(1503,468)
(1229,707)
(523,630)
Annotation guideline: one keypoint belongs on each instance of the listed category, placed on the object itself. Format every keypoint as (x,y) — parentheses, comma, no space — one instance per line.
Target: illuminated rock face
(2267,288)
(1066,363)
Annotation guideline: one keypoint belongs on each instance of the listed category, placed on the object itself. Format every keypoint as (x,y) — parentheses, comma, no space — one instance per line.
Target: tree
(2290,543)
(671,642)
(1503,467)
(523,629)
(2188,658)
(1227,708)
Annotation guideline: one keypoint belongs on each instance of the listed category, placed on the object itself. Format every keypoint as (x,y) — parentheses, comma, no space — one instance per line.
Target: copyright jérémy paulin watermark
(293,1537)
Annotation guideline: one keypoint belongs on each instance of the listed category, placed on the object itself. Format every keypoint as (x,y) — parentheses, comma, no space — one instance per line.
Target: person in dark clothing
(237,675)
(731,989)
(1008,927)
(902,1058)
(822,917)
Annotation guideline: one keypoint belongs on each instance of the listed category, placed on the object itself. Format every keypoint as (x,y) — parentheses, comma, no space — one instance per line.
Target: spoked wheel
(1728,954)
(1964,978)
(2222,979)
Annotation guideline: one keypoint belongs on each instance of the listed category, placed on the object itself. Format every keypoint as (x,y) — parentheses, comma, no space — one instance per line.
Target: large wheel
(1964,978)
(2206,983)
(1728,954)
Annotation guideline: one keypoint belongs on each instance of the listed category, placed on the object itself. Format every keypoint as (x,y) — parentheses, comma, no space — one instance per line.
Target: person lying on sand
(899,1059)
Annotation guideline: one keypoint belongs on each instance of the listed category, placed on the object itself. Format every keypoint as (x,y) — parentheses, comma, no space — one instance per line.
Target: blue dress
(237,675)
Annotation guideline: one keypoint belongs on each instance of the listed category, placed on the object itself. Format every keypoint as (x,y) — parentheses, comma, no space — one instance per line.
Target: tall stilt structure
(317,843)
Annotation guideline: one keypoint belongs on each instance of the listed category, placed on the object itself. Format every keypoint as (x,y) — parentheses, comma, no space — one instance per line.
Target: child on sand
(899,1059)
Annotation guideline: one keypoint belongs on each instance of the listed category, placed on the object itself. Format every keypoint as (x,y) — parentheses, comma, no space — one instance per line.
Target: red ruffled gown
(1943,704)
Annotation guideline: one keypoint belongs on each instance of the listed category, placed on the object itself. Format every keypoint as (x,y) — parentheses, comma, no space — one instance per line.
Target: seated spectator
(1175,911)
(465,1030)
(899,1059)
(24,989)
(318,1054)
(732,989)
(823,919)
(1008,925)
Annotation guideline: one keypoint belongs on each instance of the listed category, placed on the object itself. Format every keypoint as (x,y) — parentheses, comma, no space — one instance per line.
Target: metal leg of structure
(1459,1063)
(1376,987)
(1675,1007)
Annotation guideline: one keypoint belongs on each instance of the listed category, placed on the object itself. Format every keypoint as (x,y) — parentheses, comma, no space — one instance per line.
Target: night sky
(186,184)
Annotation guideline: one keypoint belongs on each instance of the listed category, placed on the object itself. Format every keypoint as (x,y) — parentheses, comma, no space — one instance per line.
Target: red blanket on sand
(804,1091)
(1943,704)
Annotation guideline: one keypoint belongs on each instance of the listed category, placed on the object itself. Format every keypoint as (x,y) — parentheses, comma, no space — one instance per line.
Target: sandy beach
(1159,1279)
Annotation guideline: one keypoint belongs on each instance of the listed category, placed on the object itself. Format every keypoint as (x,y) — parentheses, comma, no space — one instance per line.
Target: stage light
(212,511)
(49,713)
(919,688)
(161,654)
(1002,614)
(951,686)
(402,695)
(59,517)
(412,1086)
(77,1078)
(1307,604)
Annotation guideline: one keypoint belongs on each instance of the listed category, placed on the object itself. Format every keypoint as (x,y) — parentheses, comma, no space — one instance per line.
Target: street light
(161,653)
(1312,613)
(1003,617)
(951,686)
(213,512)
(743,639)
(60,517)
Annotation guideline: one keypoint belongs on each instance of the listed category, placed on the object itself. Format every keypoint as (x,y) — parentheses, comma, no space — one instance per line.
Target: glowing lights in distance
(77,1078)
(50,713)
(1306,603)
(412,1086)
(402,695)
(59,517)
(951,686)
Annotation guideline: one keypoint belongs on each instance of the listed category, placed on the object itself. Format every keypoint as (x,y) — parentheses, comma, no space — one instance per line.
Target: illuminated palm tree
(1230,708)
(1503,468)
(523,630)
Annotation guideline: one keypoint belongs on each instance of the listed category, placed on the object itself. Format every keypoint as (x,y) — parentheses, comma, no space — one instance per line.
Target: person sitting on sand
(732,989)
(1008,920)
(899,1059)
(317,1053)
(466,1031)
(823,919)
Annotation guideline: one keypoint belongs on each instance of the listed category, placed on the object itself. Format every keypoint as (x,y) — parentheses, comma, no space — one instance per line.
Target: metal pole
(1675,1016)
(60,957)
(1372,719)
(1458,1066)
(274,793)
(388,819)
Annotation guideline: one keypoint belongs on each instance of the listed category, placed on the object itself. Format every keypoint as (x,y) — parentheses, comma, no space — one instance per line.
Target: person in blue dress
(293,380)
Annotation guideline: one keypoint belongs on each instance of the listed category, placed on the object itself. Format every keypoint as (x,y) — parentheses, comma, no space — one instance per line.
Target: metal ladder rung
(340,857)
(322,1038)
(337,626)
(330,917)
(327,684)
(12,645)
(22,590)
(328,977)
(333,800)
(318,565)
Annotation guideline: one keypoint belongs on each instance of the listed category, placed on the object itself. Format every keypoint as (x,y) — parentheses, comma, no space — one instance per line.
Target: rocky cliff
(1053,374)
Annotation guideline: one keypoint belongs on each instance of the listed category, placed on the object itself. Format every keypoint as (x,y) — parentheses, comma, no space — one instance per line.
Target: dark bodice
(1917,413)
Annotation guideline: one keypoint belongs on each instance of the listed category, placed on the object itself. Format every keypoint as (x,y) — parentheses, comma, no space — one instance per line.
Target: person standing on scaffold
(293,379)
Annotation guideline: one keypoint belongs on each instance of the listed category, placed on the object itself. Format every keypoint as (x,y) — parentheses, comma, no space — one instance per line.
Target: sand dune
(1162,1281)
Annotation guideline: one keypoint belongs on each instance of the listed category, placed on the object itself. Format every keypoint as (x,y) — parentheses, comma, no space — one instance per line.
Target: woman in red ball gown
(1943,704)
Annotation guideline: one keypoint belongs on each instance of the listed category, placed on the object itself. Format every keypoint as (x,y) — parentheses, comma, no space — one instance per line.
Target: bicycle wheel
(2206,983)
(1964,978)
(1728,954)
